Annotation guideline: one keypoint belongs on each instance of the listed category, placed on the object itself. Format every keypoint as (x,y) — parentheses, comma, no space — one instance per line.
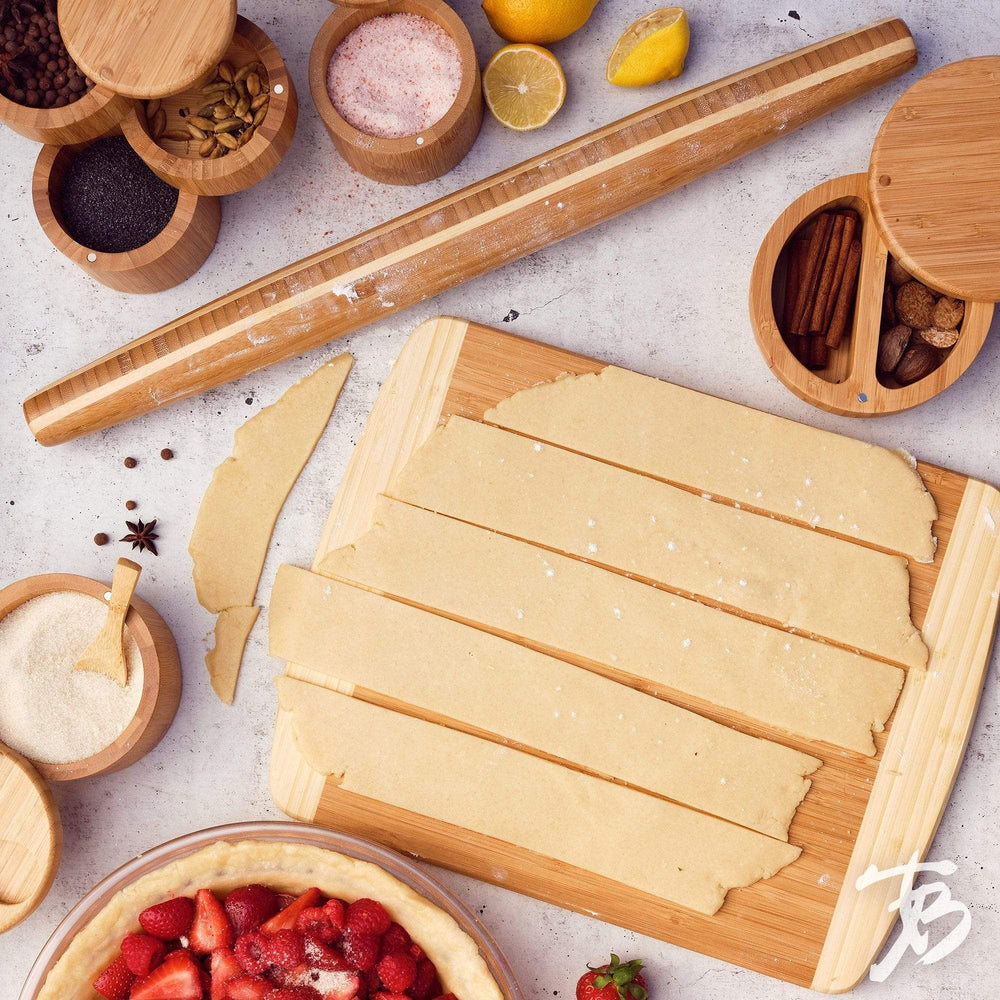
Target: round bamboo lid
(932,181)
(147,50)
(30,838)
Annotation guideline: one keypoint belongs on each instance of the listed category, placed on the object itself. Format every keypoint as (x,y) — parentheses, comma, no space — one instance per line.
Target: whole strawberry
(615,981)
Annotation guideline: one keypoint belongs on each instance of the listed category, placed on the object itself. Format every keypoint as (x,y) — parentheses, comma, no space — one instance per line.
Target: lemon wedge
(538,21)
(651,49)
(524,86)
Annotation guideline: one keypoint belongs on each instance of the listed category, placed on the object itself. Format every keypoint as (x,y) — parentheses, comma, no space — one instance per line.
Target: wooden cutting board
(807,925)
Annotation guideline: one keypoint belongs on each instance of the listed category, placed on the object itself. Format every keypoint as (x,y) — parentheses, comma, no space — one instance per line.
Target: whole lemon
(537,21)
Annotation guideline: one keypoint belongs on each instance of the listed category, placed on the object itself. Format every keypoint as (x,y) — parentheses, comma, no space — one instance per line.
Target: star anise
(9,66)
(141,535)
(17,10)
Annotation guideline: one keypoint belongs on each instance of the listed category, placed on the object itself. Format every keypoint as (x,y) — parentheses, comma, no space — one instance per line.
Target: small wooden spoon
(105,654)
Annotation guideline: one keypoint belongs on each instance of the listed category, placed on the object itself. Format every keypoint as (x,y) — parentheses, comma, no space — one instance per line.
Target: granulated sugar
(48,711)
(395,75)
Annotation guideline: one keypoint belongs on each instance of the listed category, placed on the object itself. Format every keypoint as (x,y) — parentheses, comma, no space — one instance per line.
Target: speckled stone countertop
(662,290)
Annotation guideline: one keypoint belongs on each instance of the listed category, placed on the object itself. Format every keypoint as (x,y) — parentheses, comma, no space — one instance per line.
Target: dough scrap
(451,669)
(232,629)
(777,465)
(288,867)
(788,574)
(672,852)
(564,605)
(243,500)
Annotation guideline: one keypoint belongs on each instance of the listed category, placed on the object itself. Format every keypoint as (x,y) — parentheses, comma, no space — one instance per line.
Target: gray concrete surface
(662,290)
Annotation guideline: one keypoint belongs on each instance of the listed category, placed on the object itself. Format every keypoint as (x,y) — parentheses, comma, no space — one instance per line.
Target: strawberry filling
(258,944)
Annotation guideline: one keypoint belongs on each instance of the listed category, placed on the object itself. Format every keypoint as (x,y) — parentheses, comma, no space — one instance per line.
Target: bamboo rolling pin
(462,235)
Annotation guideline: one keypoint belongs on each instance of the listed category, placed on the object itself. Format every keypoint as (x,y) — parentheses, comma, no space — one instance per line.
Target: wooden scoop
(105,654)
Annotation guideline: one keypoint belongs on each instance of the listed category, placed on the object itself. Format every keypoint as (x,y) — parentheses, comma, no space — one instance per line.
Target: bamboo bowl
(161,688)
(412,159)
(179,164)
(849,385)
(172,256)
(96,114)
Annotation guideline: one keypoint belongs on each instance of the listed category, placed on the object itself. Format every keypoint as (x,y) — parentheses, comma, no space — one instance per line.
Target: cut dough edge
(598,617)
(746,455)
(434,664)
(241,505)
(223,660)
(664,849)
(835,589)
(288,867)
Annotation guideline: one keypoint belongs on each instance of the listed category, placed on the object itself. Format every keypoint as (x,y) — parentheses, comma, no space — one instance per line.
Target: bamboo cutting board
(807,925)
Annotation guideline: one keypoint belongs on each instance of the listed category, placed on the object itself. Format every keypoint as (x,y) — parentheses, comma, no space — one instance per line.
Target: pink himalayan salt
(395,75)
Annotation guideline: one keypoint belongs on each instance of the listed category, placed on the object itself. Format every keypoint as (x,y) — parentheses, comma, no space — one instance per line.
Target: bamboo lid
(933,179)
(147,49)
(30,839)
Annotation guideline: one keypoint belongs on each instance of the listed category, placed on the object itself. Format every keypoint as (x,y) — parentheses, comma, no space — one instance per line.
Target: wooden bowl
(172,256)
(416,158)
(97,113)
(179,164)
(849,385)
(161,688)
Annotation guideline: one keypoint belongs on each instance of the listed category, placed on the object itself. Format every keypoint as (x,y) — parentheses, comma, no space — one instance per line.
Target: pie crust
(287,867)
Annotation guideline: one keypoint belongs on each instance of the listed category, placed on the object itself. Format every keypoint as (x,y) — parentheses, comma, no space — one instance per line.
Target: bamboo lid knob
(934,179)
(30,839)
(147,49)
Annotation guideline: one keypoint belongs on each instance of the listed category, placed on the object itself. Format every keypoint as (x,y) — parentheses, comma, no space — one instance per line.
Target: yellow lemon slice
(538,21)
(651,50)
(524,86)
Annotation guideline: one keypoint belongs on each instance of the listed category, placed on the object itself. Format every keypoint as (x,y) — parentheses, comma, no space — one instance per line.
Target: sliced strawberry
(360,950)
(285,919)
(397,972)
(210,929)
(115,981)
(367,916)
(321,956)
(416,951)
(294,993)
(225,966)
(248,988)
(251,952)
(249,906)
(142,953)
(286,949)
(395,939)
(169,919)
(178,977)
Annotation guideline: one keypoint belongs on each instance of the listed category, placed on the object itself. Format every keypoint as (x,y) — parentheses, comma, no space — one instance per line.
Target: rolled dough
(776,465)
(641,841)
(350,635)
(567,606)
(243,500)
(232,628)
(787,574)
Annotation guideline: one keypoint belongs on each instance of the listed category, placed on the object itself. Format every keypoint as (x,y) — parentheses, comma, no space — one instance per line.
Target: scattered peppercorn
(166,454)
(111,201)
(131,463)
(130,505)
(100,538)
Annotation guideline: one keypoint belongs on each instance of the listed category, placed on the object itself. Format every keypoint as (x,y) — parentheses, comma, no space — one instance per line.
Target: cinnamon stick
(793,280)
(819,355)
(825,287)
(810,274)
(845,297)
(851,221)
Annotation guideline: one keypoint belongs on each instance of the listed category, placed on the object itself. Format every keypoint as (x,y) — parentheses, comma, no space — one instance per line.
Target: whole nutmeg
(896,273)
(948,313)
(891,346)
(917,363)
(938,338)
(915,304)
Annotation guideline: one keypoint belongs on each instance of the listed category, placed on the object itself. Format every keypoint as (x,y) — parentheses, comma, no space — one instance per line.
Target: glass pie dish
(293,833)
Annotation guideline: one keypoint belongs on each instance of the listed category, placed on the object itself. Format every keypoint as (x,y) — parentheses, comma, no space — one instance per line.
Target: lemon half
(651,49)
(524,86)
